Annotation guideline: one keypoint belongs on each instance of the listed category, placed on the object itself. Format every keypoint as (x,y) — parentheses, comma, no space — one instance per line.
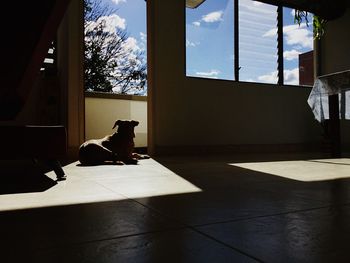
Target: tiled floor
(280,208)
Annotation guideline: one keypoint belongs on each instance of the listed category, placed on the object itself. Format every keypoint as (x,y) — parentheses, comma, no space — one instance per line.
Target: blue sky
(210,34)
(134,14)
(209,41)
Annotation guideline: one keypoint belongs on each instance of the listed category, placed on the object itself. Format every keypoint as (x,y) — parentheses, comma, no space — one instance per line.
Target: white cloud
(292,12)
(213,17)
(143,41)
(298,47)
(210,74)
(131,59)
(270,33)
(291,77)
(291,54)
(131,43)
(143,37)
(116,21)
(111,23)
(191,44)
(269,78)
(295,35)
(118,1)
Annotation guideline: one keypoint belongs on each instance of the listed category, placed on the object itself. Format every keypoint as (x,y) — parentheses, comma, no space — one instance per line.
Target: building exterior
(306,68)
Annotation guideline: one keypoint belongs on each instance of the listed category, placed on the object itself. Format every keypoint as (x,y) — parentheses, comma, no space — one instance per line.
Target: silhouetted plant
(318,23)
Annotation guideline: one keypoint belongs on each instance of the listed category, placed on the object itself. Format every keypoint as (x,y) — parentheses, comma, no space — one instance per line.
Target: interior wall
(40,98)
(70,67)
(191,111)
(335,57)
(29,114)
(101,114)
(335,45)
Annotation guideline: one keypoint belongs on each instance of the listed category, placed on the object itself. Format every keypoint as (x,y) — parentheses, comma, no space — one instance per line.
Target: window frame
(280,49)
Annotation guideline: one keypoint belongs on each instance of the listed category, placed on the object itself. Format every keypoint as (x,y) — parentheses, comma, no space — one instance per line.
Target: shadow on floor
(240,216)
(23,177)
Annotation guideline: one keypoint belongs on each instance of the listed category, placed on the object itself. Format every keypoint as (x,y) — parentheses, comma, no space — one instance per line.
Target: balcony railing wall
(102,110)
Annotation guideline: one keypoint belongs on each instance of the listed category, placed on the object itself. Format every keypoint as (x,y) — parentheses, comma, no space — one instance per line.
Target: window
(297,50)
(115,46)
(209,40)
(246,40)
(257,48)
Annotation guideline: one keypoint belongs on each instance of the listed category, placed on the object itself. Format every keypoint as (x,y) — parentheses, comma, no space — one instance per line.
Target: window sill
(247,83)
(105,95)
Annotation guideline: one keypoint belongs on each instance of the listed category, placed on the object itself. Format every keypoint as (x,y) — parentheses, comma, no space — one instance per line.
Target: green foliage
(317,22)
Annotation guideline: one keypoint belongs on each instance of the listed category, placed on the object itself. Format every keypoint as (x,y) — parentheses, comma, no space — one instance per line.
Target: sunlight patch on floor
(304,170)
(103,183)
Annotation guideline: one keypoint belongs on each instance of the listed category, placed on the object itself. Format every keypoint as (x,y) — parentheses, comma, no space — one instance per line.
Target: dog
(116,148)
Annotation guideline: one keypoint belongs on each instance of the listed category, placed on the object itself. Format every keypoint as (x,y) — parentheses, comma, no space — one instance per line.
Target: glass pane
(297,50)
(209,40)
(257,42)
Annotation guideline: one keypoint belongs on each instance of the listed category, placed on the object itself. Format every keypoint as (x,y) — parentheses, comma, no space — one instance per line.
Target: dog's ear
(135,123)
(116,123)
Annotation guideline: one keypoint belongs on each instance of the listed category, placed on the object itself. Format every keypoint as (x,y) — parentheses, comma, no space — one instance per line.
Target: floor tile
(333,192)
(321,235)
(64,193)
(145,168)
(148,178)
(226,204)
(149,187)
(303,170)
(56,226)
(172,246)
(218,175)
(147,212)
(24,186)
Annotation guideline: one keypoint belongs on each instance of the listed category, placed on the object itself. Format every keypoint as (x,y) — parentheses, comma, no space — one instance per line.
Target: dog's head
(126,127)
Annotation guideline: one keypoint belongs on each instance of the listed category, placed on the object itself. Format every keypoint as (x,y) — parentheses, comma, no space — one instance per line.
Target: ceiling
(193,3)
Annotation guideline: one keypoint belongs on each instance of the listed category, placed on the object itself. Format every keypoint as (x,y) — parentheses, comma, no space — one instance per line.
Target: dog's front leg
(140,156)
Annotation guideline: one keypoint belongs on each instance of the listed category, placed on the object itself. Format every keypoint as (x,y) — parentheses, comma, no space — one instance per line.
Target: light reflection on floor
(303,170)
(102,183)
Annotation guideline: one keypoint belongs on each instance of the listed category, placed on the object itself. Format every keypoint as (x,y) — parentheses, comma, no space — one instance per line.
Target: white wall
(101,114)
(189,111)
